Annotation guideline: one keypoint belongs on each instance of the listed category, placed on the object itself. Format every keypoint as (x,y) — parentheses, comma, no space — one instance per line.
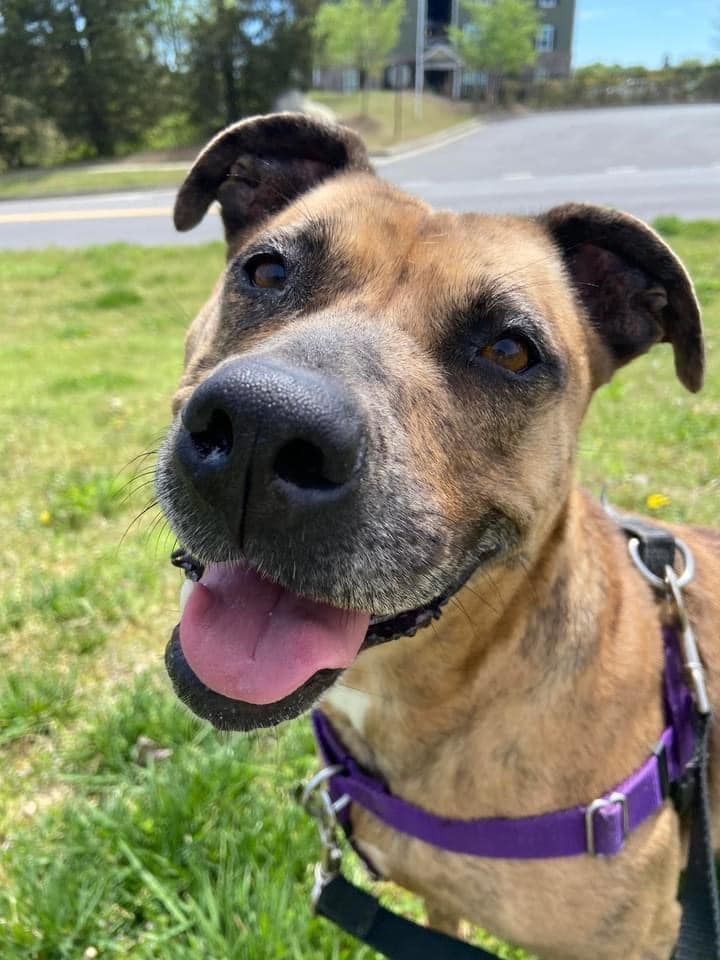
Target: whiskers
(142,470)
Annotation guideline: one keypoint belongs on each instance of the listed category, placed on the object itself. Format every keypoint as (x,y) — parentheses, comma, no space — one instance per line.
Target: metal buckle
(685,577)
(315,800)
(598,804)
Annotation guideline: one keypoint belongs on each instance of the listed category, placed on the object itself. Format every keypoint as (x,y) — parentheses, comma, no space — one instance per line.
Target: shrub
(27,138)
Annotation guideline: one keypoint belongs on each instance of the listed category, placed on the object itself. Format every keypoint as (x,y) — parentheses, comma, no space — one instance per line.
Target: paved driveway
(648,160)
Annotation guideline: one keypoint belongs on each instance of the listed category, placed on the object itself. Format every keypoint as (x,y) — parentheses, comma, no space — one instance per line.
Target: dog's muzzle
(309,551)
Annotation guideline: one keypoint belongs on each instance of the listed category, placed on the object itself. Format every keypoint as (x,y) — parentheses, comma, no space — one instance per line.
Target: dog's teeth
(185,590)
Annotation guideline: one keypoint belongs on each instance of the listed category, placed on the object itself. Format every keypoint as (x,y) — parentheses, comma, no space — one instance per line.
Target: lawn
(110,847)
(85,178)
(377,129)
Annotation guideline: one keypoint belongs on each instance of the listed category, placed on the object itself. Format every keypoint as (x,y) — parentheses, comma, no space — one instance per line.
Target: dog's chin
(227,714)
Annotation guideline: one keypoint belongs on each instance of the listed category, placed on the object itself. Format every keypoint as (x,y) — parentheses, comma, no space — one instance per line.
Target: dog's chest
(517,900)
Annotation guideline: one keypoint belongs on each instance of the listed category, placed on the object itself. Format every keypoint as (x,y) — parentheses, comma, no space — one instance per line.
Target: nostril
(303,465)
(216,438)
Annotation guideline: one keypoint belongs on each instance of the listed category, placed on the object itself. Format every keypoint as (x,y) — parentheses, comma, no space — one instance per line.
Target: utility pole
(419,57)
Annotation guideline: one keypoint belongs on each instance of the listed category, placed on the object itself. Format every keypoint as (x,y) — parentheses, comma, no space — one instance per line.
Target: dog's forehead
(374,223)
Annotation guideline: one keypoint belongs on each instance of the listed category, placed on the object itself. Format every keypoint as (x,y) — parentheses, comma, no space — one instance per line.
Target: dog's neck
(521,697)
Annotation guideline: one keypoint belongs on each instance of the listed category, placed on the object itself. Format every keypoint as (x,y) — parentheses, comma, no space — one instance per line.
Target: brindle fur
(539,687)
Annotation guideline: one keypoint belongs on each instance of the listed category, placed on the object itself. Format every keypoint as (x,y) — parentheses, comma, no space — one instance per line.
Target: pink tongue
(251,640)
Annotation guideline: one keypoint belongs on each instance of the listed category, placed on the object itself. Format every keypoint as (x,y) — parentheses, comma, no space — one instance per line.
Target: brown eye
(266,270)
(509,353)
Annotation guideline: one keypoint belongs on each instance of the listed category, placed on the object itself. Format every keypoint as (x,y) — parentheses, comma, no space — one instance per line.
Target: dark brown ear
(635,290)
(257,166)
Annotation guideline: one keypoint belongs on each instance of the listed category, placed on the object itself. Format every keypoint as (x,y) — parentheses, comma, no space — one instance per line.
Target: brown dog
(379,410)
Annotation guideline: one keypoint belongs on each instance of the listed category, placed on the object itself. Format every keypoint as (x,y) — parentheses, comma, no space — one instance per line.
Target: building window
(547,4)
(545,40)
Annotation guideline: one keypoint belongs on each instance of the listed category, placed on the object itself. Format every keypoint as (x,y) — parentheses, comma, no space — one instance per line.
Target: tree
(359,33)
(243,53)
(87,65)
(499,38)
(170,24)
(107,76)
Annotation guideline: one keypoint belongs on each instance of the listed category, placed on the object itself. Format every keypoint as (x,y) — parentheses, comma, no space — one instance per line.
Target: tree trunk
(225,26)
(364,76)
(397,114)
(87,86)
(493,89)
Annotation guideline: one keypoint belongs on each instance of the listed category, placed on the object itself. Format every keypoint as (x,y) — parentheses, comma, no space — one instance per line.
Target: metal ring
(688,571)
(341,803)
(317,780)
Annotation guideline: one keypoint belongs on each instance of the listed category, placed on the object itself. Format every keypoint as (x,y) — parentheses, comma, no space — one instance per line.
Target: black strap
(700,924)
(360,915)
(656,546)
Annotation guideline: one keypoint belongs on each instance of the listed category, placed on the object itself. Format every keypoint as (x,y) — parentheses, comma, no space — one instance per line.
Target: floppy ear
(634,289)
(257,166)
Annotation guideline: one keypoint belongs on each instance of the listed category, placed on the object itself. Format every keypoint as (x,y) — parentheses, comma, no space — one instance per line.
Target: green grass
(82,178)
(109,850)
(377,129)
(644,434)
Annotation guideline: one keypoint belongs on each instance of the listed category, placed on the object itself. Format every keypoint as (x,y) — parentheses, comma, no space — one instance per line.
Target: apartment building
(442,71)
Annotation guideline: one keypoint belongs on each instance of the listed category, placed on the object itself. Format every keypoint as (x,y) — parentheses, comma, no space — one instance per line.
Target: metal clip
(672,585)
(315,799)
(691,656)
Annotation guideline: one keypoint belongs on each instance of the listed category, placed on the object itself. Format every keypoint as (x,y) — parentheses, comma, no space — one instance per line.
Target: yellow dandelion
(656,501)
(45,518)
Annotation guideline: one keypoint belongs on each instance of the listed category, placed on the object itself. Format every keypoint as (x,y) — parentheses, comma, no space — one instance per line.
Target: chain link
(315,799)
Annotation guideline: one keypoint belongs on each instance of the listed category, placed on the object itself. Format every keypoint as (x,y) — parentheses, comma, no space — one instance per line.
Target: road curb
(448,135)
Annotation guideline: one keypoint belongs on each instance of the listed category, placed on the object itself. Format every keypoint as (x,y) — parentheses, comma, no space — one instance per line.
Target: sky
(642,32)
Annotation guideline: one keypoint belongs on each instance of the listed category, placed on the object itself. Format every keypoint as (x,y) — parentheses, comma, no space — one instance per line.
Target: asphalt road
(647,160)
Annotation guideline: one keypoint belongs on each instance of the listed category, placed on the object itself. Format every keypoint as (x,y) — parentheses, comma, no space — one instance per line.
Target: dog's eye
(512,353)
(266,270)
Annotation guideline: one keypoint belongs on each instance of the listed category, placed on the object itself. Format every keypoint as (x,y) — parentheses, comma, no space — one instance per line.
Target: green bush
(27,139)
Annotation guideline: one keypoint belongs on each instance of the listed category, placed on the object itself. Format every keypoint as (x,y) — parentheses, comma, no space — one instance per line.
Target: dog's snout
(258,435)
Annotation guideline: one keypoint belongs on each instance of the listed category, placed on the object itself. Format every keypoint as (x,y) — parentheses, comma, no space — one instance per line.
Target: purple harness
(601,827)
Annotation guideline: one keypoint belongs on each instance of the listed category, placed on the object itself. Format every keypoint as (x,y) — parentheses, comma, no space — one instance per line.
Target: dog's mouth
(250,652)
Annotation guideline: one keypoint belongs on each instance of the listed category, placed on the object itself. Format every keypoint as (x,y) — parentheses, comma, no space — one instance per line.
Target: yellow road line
(47,216)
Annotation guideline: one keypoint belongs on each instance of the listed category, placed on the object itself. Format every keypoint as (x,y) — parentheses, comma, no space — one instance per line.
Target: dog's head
(379,399)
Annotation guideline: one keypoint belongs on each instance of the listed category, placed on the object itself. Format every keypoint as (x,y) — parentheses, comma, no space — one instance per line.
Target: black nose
(261,437)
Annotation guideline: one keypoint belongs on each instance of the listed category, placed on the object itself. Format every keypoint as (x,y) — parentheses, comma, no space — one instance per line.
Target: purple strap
(562,833)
